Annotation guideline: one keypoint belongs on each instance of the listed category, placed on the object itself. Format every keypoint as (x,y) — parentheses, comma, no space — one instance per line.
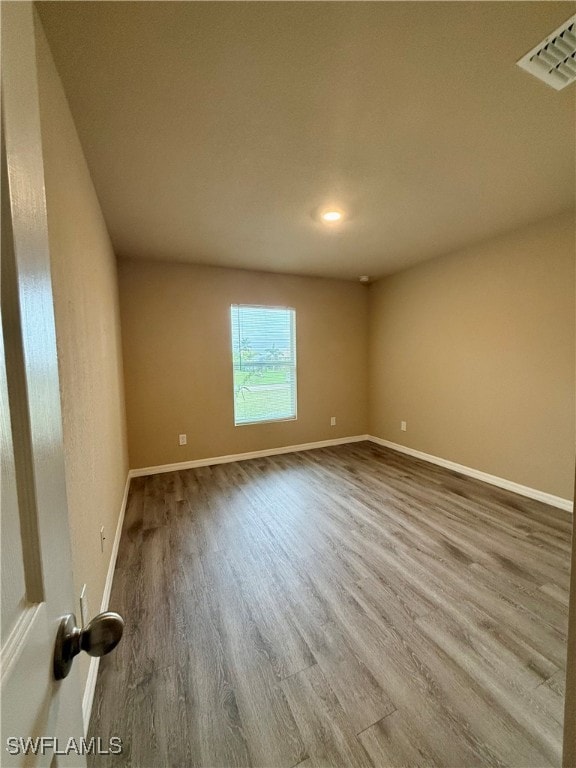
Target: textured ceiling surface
(216,132)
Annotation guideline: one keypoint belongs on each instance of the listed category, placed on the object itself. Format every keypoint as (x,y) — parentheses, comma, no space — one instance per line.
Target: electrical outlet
(84,610)
(333,421)
(102,539)
(403,426)
(182,439)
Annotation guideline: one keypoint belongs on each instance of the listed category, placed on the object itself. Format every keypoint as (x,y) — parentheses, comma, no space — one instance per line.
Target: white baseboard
(523,490)
(244,456)
(500,482)
(89,690)
(90,687)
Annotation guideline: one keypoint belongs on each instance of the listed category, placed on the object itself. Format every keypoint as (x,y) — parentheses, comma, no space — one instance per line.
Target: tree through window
(264,363)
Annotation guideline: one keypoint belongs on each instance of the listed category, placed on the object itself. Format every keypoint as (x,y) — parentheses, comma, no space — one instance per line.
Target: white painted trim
(244,456)
(523,490)
(90,687)
(25,626)
(500,482)
(89,691)
(115,547)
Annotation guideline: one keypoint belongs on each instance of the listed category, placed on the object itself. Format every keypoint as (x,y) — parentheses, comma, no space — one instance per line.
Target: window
(264,363)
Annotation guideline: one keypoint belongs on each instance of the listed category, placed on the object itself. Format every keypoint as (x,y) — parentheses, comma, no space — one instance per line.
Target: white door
(35,547)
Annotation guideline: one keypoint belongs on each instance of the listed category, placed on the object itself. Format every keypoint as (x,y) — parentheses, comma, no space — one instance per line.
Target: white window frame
(294,346)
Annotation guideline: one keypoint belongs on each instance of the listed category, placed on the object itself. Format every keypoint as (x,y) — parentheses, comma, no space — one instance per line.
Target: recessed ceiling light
(364,278)
(331,216)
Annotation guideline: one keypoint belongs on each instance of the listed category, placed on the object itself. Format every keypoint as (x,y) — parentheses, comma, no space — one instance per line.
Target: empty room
(288,384)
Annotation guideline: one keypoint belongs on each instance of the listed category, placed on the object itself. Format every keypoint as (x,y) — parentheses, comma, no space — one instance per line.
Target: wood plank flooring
(348,606)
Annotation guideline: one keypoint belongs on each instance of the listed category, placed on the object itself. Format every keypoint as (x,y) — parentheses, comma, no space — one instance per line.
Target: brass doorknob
(97,638)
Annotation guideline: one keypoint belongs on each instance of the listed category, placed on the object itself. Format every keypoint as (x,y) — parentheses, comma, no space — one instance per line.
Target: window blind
(264,363)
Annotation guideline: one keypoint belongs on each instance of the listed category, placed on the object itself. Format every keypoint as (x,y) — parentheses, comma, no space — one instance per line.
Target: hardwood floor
(347,606)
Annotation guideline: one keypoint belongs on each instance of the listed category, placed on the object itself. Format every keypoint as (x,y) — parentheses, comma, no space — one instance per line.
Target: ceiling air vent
(554,59)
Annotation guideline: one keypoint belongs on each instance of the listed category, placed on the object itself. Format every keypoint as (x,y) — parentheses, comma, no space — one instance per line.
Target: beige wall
(475,351)
(177,359)
(88,338)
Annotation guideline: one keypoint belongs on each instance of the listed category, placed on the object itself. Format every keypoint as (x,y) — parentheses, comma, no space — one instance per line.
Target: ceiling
(216,132)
